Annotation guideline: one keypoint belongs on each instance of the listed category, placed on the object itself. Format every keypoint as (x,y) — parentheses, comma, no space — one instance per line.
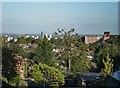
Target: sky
(84,17)
(59,0)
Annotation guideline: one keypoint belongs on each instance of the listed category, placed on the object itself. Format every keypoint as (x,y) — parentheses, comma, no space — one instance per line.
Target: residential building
(87,79)
(91,39)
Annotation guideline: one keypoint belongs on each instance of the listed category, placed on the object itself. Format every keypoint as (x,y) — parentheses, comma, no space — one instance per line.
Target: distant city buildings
(41,35)
(8,38)
(88,39)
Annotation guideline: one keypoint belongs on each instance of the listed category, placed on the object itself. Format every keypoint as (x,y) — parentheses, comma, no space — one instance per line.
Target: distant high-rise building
(46,35)
(41,34)
(50,36)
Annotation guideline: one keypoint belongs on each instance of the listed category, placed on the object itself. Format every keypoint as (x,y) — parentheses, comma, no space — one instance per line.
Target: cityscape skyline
(84,17)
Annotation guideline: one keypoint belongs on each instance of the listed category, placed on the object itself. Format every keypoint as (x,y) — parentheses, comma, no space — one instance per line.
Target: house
(112,82)
(86,79)
(116,75)
(91,39)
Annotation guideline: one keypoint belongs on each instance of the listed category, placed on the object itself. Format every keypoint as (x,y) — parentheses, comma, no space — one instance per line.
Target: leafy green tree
(103,49)
(79,62)
(13,82)
(22,40)
(115,55)
(8,63)
(43,53)
(19,50)
(106,71)
(35,41)
(101,52)
(114,38)
(74,52)
(114,45)
(29,40)
(56,42)
(42,72)
(108,64)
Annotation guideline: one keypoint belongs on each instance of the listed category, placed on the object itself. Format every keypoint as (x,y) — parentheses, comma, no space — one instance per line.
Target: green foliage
(5,83)
(74,52)
(108,65)
(114,38)
(37,75)
(8,63)
(115,55)
(93,47)
(103,49)
(4,79)
(43,72)
(14,81)
(79,60)
(35,41)
(22,83)
(43,53)
(56,42)
(1,40)
(19,50)
(101,52)
(106,71)
(22,40)
(25,69)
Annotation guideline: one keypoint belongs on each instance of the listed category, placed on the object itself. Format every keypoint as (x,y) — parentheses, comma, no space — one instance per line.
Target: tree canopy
(74,52)
(108,64)
(44,54)
(42,72)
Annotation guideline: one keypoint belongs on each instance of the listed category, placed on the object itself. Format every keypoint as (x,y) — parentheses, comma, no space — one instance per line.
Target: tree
(74,52)
(43,53)
(19,50)
(101,52)
(115,55)
(103,49)
(29,40)
(13,82)
(8,63)
(108,64)
(22,40)
(106,71)
(42,72)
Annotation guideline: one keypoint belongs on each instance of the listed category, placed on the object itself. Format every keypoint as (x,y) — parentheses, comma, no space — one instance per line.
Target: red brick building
(90,39)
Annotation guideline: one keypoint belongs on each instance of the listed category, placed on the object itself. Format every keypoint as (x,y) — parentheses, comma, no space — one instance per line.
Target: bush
(4,79)
(23,83)
(54,85)
(14,81)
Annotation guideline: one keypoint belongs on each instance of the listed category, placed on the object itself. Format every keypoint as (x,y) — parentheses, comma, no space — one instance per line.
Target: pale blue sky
(84,17)
(59,0)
